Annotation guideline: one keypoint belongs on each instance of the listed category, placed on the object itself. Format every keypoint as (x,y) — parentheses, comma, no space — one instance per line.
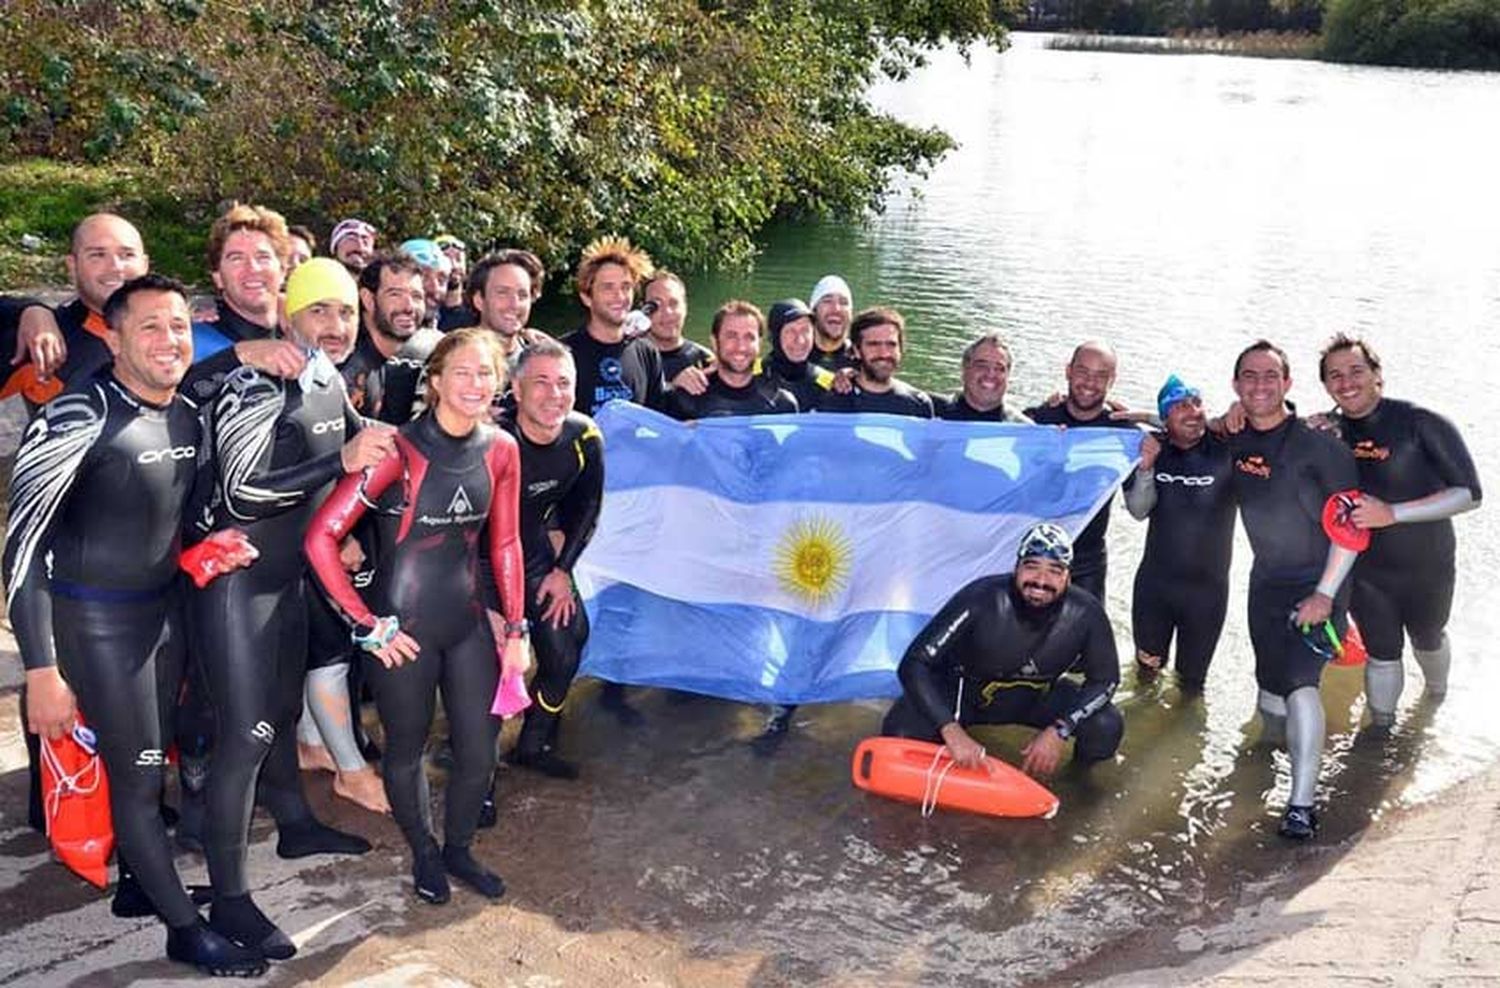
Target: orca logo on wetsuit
(1255,466)
(1177,478)
(332,425)
(151,456)
(1366,449)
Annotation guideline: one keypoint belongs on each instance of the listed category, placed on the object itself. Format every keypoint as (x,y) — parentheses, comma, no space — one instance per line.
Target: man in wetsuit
(1415,473)
(455,312)
(609,365)
(1184,484)
(352,244)
(1091,373)
(1001,651)
(436,267)
(502,288)
(733,387)
(248,248)
(791,331)
(382,373)
(986,372)
(278,448)
(1284,472)
(666,301)
(832,307)
(105,252)
(562,488)
(879,334)
(91,556)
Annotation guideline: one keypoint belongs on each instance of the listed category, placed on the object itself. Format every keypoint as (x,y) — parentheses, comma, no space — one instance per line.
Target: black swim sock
(488,815)
(460,863)
(213,953)
(240,919)
(308,837)
(130,901)
(428,876)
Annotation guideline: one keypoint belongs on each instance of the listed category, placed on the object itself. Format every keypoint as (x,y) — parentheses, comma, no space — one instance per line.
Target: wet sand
(684,858)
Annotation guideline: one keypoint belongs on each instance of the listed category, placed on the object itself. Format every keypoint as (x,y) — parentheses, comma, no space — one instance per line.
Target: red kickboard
(902,769)
(75,794)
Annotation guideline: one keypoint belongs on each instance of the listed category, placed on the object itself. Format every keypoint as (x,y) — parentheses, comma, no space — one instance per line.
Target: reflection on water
(1179,207)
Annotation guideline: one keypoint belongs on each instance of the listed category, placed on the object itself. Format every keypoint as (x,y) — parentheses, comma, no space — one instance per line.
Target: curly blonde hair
(240,216)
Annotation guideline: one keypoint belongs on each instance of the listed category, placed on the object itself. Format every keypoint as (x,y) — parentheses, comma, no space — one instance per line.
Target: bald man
(1091,373)
(55,347)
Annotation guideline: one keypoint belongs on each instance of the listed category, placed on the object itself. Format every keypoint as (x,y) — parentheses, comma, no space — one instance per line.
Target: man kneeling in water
(997,653)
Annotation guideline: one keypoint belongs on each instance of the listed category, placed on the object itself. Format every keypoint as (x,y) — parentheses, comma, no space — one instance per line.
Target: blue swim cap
(1171,393)
(427,253)
(1048,541)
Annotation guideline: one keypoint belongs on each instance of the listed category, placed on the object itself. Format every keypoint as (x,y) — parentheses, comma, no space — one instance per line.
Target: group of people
(367,471)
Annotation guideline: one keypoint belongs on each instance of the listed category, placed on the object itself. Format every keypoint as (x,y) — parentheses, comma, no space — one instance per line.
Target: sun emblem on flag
(812,559)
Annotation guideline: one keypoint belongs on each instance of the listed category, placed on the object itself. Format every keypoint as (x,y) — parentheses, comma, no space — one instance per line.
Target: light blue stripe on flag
(793,558)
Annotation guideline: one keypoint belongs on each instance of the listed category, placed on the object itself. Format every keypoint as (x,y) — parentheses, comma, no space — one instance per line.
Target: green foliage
(1452,34)
(687,124)
(46,199)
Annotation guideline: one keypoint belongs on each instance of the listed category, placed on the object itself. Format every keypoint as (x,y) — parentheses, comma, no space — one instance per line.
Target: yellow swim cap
(317,280)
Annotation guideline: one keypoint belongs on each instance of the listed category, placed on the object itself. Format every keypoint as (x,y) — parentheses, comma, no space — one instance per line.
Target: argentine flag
(792,559)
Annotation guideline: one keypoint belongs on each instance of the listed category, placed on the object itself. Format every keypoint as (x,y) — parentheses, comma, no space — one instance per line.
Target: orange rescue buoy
(75,793)
(923,772)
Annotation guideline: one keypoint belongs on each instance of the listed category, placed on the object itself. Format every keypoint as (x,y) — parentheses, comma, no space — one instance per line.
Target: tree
(687,125)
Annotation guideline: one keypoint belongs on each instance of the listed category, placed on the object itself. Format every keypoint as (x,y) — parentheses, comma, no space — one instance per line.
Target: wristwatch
(517,629)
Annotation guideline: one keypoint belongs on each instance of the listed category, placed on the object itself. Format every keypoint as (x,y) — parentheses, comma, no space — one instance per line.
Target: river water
(1178,206)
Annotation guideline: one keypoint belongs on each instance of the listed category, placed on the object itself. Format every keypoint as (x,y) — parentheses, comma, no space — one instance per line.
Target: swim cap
(1046,541)
(446,240)
(783,312)
(830,284)
(319,279)
(427,254)
(1171,393)
(349,228)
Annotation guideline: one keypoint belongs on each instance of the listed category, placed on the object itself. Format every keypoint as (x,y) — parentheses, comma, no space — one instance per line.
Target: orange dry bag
(76,796)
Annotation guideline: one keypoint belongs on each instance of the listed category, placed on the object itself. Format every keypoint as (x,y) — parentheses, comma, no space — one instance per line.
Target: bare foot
(363,787)
(314,758)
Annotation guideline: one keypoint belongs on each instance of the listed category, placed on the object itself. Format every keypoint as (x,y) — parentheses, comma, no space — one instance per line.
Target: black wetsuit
(82,332)
(834,360)
(629,370)
(435,501)
(276,454)
(1090,552)
(759,397)
(688,354)
(1182,584)
(804,382)
(902,399)
(956,408)
(1282,477)
(364,376)
(209,371)
(97,501)
(1016,665)
(562,489)
(1404,581)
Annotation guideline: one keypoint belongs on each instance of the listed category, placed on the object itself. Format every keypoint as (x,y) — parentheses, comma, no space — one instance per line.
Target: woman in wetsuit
(456,478)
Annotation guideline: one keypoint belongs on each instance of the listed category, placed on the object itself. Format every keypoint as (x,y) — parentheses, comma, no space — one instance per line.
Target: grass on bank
(45,200)
(1259,44)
